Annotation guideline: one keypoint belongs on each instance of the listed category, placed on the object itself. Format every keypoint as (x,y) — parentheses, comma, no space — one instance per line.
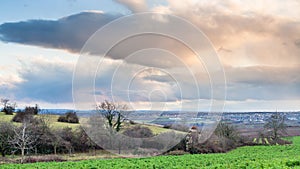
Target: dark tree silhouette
(112,113)
(6,133)
(8,108)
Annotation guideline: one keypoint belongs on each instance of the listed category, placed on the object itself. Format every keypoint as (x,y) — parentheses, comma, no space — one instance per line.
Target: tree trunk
(55,147)
(22,155)
(70,152)
(119,147)
(3,153)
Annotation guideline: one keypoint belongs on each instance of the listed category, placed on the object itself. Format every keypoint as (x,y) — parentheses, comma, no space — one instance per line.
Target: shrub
(132,122)
(69,117)
(138,132)
(179,127)
(32,110)
(167,126)
(26,114)
(22,116)
(8,110)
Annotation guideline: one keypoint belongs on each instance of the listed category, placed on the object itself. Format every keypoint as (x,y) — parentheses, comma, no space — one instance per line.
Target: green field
(287,156)
(53,123)
(51,119)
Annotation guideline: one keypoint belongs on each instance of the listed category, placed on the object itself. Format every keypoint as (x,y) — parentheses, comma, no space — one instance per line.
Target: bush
(138,132)
(132,122)
(69,117)
(8,110)
(22,116)
(167,126)
(32,110)
(62,119)
(26,114)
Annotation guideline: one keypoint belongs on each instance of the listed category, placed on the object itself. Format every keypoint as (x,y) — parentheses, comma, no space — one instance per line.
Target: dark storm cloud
(68,33)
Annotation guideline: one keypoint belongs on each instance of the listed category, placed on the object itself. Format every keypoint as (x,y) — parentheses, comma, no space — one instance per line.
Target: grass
(284,156)
(277,156)
(54,124)
(51,119)
(5,118)
(155,129)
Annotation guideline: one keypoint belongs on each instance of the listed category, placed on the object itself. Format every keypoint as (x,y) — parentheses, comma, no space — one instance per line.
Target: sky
(52,54)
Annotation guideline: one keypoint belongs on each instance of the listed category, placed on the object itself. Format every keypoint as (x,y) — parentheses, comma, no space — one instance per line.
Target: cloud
(263,83)
(51,81)
(253,36)
(248,34)
(43,80)
(258,47)
(297,43)
(134,5)
(69,33)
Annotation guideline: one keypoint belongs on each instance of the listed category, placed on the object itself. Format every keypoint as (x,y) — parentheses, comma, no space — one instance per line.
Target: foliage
(6,132)
(32,110)
(138,132)
(243,157)
(8,108)
(22,116)
(69,117)
(26,114)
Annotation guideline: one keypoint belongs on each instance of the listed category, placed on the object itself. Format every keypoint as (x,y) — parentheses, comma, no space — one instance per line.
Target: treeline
(34,136)
(28,113)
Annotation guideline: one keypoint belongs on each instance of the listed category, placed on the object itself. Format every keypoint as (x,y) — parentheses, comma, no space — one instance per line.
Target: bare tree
(4,102)
(57,141)
(112,113)
(276,125)
(228,131)
(23,139)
